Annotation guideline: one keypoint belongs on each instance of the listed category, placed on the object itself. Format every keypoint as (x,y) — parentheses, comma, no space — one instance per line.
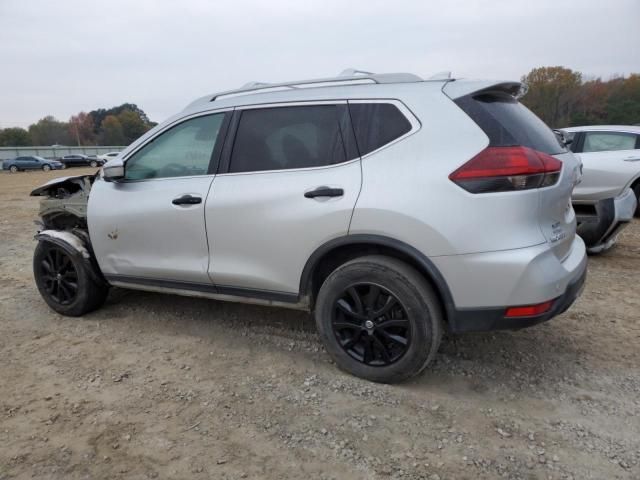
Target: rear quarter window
(508,123)
(377,124)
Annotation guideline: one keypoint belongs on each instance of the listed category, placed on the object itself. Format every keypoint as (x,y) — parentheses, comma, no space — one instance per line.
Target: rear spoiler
(460,88)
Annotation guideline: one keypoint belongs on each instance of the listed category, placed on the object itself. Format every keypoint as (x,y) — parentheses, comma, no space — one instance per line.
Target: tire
(13,169)
(46,168)
(93,164)
(636,190)
(56,270)
(415,312)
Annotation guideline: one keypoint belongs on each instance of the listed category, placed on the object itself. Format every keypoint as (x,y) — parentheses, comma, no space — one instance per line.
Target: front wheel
(64,281)
(93,164)
(46,168)
(636,190)
(379,319)
(13,169)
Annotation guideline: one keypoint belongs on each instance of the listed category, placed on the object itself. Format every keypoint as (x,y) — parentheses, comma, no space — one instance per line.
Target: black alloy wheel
(60,276)
(371,325)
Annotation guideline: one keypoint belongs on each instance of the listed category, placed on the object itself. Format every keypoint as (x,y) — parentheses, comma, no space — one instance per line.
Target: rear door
(610,159)
(290,179)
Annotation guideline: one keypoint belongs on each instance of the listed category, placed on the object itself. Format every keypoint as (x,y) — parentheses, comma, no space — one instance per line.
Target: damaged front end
(63,205)
(63,217)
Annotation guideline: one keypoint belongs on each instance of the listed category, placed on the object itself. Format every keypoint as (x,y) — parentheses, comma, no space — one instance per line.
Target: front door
(150,225)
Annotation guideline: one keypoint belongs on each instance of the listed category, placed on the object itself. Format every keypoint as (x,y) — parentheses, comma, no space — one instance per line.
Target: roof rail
(346,77)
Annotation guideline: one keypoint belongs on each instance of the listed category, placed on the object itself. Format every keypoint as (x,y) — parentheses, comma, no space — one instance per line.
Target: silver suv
(394,208)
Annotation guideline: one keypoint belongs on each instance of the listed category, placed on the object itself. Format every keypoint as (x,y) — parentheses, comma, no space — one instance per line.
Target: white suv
(392,207)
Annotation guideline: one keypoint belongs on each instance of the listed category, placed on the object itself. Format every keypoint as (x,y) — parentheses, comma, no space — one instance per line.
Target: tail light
(504,169)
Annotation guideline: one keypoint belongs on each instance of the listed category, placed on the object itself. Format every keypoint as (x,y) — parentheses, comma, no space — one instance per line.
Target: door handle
(324,192)
(187,200)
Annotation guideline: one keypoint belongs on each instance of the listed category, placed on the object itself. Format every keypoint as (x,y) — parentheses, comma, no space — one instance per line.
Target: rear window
(509,123)
(376,124)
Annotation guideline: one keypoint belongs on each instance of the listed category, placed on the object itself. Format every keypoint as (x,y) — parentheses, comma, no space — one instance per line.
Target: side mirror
(113,170)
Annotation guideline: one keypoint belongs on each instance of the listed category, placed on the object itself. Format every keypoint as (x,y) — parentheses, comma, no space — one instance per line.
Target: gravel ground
(157,386)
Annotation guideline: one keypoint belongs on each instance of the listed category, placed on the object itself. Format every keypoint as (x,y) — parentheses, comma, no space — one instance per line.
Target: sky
(62,57)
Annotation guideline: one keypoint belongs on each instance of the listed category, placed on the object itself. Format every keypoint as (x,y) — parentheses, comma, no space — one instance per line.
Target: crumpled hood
(42,189)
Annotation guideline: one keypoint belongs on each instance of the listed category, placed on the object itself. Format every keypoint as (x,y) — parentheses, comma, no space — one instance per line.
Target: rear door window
(282,138)
(377,124)
(509,123)
(608,141)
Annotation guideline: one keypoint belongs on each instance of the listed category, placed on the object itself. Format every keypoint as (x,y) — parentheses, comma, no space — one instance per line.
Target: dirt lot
(155,386)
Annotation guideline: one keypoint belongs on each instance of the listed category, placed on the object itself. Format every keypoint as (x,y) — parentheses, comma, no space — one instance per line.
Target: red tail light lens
(529,310)
(503,169)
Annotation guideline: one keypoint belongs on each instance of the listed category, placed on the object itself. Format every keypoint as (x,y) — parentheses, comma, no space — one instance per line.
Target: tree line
(560,96)
(563,97)
(119,125)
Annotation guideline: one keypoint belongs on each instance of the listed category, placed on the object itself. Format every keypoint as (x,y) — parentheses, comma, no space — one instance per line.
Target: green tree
(49,131)
(112,133)
(552,94)
(623,104)
(134,121)
(133,126)
(14,137)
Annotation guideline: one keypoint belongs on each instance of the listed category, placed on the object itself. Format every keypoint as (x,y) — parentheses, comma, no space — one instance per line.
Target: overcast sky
(65,56)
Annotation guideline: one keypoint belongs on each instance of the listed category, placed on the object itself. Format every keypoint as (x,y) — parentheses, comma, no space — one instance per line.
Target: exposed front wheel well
(326,262)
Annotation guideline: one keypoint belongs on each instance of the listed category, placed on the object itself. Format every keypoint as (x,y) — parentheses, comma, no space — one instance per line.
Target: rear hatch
(508,123)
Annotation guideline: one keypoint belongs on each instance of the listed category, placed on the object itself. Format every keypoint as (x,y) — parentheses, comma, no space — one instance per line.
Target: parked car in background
(78,160)
(108,156)
(31,163)
(392,207)
(608,195)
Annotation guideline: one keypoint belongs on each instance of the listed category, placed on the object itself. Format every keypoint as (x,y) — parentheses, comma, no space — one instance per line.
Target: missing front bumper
(600,227)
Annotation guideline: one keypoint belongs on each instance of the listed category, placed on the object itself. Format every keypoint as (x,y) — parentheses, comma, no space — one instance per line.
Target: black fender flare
(426,265)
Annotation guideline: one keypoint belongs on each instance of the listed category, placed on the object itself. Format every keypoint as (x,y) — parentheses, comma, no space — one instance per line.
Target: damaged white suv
(391,206)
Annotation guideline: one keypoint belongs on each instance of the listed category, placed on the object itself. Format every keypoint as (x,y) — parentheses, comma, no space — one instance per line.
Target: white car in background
(108,156)
(607,197)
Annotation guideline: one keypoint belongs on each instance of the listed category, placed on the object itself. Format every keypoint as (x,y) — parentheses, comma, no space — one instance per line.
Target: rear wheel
(13,169)
(93,163)
(636,190)
(65,282)
(379,319)
(46,168)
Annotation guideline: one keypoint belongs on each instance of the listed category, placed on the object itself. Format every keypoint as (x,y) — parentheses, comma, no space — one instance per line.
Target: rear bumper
(469,320)
(601,229)
(484,285)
